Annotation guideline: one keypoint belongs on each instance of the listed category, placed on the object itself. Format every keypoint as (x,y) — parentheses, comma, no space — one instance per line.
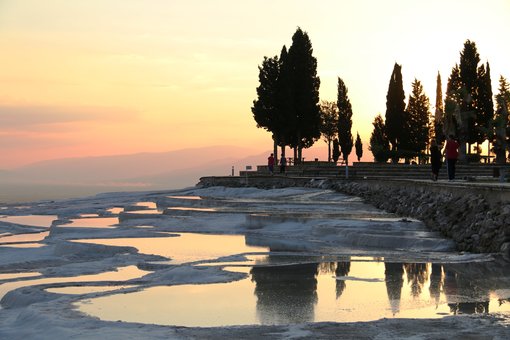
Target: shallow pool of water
(93,222)
(121,274)
(30,237)
(334,291)
(185,247)
(30,220)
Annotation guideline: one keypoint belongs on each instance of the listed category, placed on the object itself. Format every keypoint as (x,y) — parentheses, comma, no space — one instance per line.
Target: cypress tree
(358,146)
(304,91)
(484,104)
(439,134)
(379,143)
(266,109)
(344,120)
(336,150)
(329,128)
(419,116)
(501,121)
(453,103)
(469,59)
(395,114)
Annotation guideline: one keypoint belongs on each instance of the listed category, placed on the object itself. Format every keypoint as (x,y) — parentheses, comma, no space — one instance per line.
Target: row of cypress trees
(287,103)
(467,113)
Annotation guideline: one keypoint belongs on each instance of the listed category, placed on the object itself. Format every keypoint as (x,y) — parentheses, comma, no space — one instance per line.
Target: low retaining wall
(476,216)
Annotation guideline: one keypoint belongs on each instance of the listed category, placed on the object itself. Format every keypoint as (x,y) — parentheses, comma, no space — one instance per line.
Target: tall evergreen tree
(304,91)
(379,143)
(358,146)
(501,121)
(453,102)
(395,111)
(439,134)
(266,109)
(336,150)
(419,117)
(329,128)
(469,59)
(344,120)
(484,104)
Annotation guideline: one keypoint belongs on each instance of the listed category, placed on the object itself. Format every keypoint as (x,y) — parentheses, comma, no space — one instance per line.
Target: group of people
(270,164)
(450,152)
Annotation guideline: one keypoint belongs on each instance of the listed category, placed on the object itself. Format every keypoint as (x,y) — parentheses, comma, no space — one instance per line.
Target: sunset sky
(105,77)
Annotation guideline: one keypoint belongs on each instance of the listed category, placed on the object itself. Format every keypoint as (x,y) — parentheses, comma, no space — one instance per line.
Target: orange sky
(102,77)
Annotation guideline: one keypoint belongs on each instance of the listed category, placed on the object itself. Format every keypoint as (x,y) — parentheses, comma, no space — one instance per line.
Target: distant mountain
(111,169)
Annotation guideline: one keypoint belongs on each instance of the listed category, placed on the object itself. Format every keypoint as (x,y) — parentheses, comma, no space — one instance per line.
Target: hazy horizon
(99,77)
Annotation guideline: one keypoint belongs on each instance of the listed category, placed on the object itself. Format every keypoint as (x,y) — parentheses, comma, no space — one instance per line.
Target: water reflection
(285,294)
(121,274)
(288,293)
(92,222)
(30,220)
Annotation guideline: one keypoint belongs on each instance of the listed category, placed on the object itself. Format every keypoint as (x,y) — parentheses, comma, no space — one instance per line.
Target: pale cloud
(30,117)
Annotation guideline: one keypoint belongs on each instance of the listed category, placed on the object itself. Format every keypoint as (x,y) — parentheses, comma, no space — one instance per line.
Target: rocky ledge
(474,222)
(477,218)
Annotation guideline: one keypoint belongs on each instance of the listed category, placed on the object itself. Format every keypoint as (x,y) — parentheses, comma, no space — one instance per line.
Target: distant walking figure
(270,163)
(435,159)
(283,163)
(451,151)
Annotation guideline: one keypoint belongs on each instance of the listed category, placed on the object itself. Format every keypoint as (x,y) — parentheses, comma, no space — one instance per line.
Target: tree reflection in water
(417,275)
(342,269)
(436,283)
(286,294)
(394,273)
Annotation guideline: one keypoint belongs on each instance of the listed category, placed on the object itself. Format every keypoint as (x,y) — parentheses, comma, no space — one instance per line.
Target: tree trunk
(329,151)
(347,167)
(275,153)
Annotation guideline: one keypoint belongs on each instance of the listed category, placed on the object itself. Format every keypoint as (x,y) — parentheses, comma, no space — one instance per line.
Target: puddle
(186,197)
(145,212)
(192,209)
(78,290)
(88,215)
(148,205)
(334,291)
(115,211)
(99,222)
(121,274)
(31,220)
(31,237)
(188,247)
(10,276)
(23,245)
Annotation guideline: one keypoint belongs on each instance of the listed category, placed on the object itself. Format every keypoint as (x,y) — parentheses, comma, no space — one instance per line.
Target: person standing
(283,163)
(435,159)
(270,163)
(451,151)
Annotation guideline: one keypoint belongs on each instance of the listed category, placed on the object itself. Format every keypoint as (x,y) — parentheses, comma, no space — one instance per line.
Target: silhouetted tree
(344,121)
(359,147)
(453,102)
(336,150)
(329,127)
(395,111)
(469,59)
(439,134)
(501,121)
(379,144)
(304,91)
(484,104)
(266,109)
(418,114)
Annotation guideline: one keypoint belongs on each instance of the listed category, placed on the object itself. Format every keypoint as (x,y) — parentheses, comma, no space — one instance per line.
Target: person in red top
(270,163)
(451,152)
